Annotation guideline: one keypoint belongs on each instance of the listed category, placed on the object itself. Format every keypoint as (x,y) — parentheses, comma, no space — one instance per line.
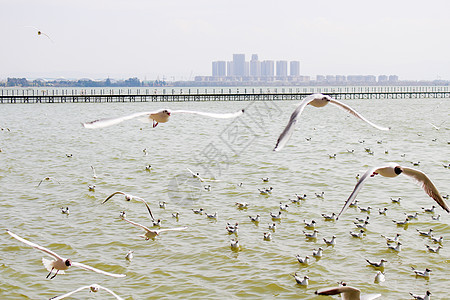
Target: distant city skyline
(178,40)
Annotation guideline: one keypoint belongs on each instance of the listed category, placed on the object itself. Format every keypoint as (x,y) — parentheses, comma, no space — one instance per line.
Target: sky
(179,39)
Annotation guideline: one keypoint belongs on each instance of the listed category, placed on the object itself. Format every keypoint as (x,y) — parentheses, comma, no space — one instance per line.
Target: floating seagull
(347,293)
(94,175)
(272,226)
(377,265)
(162,204)
(361,225)
(265,179)
(311,235)
(47,179)
(331,242)
(129,197)
(362,220)
(437,218)
(429,210)
(65,210)
(331,217)
(436,240)
(393,170)
(59,263)
(402,223)
(212,216)
(232,229)
(392,240)
(433,250)
(301,197)
(414,216)
(382,211)
(195,175)
(310,225)
(149,233)
(359,234)
(283,206)
(255,219)
(396,200)
(235,245)
(425,233)
(316,100)
(397,248)
(129,255)
(320,195)
(156,117)
(156,223)
(91,188)
(364,209)
(425,273)
(241,205)
(148,168)
(301,281)
(303,261)
(318,252)
(93,288)
(198,211)
(418,297)
(276,217)
(379,277)
(267,236)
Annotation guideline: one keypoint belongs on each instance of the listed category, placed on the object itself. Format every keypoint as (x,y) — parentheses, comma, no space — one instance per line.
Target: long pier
(30,96)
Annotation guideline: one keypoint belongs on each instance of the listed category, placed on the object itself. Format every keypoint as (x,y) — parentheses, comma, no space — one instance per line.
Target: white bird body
(425,273)
(397,248)
(318,252)
(255,219)
(379,265)
(379,277)
(347,293)
(331,242)
(149,233)
(311,235)
(316,100)
(303,261)
(301,281)
(234,245)
(359,234)
(129,255)
(418,297)
(393,170)
(156,117)
(392,240)
(93,288)
(59,263)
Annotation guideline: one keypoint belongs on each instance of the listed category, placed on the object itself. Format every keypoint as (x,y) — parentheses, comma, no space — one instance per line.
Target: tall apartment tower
(255,66)
(267,68)
(282,69)
(294,68)
(239,64)
(219,68)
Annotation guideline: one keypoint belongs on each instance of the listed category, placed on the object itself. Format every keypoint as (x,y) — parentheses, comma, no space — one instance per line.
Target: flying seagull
(59,264)
(128,197)
(39,32)
(149,233)
(156,117)
(347,293)
(316,100)
(393,170)
(93,288)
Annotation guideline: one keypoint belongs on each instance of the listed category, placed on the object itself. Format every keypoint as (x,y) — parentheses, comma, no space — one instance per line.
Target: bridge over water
(83,95)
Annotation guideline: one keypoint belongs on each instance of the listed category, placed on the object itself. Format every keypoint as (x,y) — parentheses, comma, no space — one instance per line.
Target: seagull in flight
(93,288)
(129,197)
(39,32)
(156,117)
(47,179)
(393,170)
(347,293)
(59,263)
(151,233)
(316,100)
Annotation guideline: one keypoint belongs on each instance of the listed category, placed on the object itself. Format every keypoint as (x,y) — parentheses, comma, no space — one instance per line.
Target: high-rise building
(267,68)
(294,68)
(282,69)
(239,64)
(219,68)
(230,69)
(255,66)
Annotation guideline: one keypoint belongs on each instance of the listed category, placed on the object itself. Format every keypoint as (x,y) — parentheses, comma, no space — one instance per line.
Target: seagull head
(68,262)
(398,170)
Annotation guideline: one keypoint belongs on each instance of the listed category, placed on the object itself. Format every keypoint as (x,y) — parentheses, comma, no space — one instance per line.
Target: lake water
(198,263)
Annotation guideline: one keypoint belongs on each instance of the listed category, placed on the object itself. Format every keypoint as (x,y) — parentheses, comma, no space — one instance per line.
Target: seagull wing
(195,174)
(137,225)
(347,292)
(113,121)
(112,195)
(355,192)
(355,113)
(36,246)
(146,205)
(289,129)
(86,267)
(370,296)
(212,115)
(109,291)
(171,229)
(70,293)
(428,186)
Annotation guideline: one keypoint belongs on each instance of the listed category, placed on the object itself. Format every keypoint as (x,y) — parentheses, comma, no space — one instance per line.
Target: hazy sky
(180,38)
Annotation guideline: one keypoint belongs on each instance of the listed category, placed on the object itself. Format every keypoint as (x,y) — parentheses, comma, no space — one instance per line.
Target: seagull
(267,236)
(91,188)
(156,223)
(241,205)
(359,234)
(397,248)
(433,250)
(39,32)
(425,233)
(212,216)
(265,179)
(316,100)
(94,175)
(364,209)
(437,240)
(414,216)
(283,206)
(156,117)
(148,168)
(59,263)
(255,219)
(301,197)
(93,288)
(437,218)
(347,293)
(354,203)
(393,170)
(272,226)
(425,273)
(362,220)
(429,210)
(396,200)
(311,235)
(198,211)
(392,240)
(303,261)
(331,242)
(382,211)
(129,197)
(301,281)
(195,175)
(129,255)
(331,217)
(379,277)
(402,223)
(162,204)
(318,252)
(149,233)
(418,297)
(47,179)
(276,217)
(65,210)
(310,225)
(361,225)
(377,265)
(235,245)
(232,229)
(320,195)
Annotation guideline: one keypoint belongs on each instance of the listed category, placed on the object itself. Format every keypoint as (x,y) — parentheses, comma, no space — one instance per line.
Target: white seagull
(347,293)
(93,288)
(129,197)
(393,170)
(379,265)
(316,100)
(151,234)
(418,297)
(39,32)
(425,273)
(299,280)
(59,263)
(156,117)
(47,179)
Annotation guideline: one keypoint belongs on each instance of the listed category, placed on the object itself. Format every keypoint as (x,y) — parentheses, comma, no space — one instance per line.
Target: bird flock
(315,231)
